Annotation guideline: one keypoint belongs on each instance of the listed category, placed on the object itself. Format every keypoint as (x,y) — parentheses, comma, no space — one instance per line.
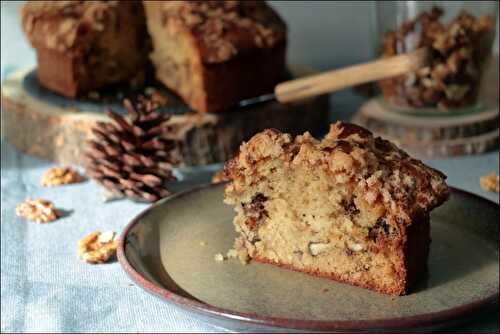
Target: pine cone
(128,156)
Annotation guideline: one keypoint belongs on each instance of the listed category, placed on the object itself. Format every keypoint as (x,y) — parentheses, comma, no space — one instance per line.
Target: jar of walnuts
(459,35)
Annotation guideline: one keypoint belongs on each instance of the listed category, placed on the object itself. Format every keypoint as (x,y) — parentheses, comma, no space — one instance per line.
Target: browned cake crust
(351,207)
(86,45)
(215,53)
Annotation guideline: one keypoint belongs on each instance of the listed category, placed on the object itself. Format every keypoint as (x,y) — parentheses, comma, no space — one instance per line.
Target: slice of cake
(216,53)
(86,45)
(351,207)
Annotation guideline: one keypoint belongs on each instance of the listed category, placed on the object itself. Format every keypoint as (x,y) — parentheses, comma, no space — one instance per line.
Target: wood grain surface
(39,123)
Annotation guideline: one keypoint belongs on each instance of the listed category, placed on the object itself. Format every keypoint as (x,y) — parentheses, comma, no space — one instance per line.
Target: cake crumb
(219,257)
(203,243)
(241,255)
(232,254)
(490,182)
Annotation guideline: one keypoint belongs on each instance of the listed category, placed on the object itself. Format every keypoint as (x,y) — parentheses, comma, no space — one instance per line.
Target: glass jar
(460,35)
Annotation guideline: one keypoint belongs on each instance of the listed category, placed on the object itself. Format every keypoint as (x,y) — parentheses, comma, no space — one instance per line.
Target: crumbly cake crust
(59,25)
(350,207)
(86,45)
(389,178)
(224,29)
(196,43)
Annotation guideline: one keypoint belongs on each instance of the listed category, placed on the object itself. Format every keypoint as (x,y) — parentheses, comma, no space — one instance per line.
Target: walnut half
(490,182)
(97,247)
(38,210)
(60,175)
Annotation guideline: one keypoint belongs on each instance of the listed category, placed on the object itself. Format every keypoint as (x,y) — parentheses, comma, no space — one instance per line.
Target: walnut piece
(219,177)
(38,210)
(316,248)
(490,182)
(355,247)
(97,247)
(60,175)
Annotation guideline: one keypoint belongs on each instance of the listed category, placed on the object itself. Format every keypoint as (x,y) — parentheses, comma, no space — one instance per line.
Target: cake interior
(174,56)
(210,57)
(298,217)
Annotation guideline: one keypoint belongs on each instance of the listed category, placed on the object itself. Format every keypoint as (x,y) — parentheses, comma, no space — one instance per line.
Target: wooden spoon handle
(331,81)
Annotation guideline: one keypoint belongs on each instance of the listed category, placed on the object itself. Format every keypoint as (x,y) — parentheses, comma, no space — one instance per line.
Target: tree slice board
(41,123)
(428,137)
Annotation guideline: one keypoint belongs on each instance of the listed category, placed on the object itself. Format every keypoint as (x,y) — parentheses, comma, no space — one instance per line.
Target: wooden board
(428,137)
(42,123)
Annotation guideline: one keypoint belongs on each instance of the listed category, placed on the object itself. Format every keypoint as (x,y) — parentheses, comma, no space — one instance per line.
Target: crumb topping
(372,166)
(224,29)
(63,25)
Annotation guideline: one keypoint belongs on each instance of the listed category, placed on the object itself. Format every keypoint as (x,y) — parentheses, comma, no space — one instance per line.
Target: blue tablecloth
(44,286)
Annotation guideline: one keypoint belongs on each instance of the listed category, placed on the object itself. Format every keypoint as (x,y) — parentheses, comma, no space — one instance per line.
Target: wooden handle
(331,81)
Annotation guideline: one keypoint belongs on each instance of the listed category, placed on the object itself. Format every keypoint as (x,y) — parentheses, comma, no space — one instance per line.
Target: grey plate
(169,251)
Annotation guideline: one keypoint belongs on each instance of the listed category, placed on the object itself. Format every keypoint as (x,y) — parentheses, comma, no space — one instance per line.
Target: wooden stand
(432,136)
(39,122)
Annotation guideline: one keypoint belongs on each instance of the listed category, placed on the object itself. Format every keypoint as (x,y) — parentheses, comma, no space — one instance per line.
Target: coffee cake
(351,207)
(86,45)
(216,53)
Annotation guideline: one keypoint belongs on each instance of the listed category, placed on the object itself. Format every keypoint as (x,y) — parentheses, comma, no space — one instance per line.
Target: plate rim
(440,319)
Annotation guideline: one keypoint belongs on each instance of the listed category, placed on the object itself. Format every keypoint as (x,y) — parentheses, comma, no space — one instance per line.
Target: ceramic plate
(169,251)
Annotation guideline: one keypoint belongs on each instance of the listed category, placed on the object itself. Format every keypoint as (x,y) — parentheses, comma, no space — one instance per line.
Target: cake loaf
(216,53)
(86,45)
(351,207)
